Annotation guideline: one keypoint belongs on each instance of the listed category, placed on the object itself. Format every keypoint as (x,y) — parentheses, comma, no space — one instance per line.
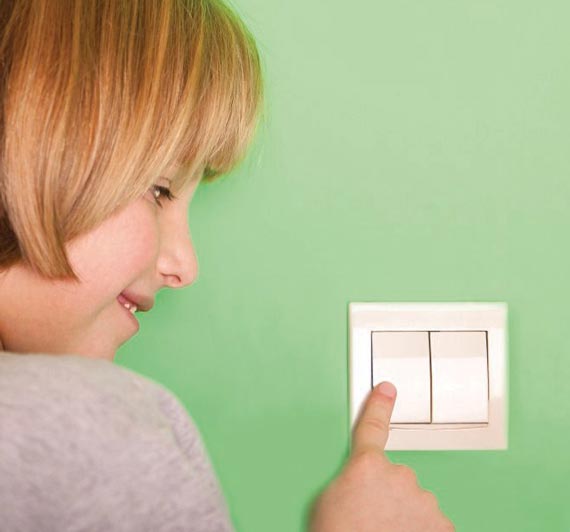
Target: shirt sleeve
(88,446)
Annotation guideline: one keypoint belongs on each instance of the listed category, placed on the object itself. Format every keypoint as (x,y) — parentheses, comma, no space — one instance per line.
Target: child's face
(139,250)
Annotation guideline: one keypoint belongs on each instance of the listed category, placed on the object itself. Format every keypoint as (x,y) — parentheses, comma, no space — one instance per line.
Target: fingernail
(388,389)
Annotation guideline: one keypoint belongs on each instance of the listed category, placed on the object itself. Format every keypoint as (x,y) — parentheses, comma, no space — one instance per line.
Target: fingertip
(387,389)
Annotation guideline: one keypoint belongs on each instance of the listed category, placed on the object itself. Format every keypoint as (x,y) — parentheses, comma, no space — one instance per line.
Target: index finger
(373,425)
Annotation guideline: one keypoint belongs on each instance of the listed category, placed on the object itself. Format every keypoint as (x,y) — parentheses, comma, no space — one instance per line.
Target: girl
(112,113)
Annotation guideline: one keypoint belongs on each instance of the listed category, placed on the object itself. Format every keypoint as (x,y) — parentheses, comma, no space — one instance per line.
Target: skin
(144,248)
(141,249)
(371,494)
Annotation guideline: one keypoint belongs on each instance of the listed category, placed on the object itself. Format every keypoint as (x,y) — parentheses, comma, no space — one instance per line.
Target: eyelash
(165,192)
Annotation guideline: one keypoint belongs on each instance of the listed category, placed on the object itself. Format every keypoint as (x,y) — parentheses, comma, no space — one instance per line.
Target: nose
(177,261)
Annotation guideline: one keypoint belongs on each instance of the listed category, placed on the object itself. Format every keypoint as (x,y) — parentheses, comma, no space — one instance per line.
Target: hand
(371,494)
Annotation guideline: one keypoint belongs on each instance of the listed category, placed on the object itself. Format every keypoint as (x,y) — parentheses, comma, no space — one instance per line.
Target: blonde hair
(100,98)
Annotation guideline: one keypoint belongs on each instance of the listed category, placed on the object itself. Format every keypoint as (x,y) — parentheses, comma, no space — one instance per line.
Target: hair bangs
(229,102)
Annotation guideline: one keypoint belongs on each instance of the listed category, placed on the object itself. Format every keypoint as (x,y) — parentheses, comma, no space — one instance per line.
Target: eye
(158,191)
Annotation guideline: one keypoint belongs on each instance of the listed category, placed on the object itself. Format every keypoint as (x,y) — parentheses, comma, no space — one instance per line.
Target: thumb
(373,424)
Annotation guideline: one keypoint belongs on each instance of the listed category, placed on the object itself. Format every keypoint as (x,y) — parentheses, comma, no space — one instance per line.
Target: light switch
(464,344)
(403,359)
(459,377)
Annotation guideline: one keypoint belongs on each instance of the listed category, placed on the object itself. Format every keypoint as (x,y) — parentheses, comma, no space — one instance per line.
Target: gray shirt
(88,446)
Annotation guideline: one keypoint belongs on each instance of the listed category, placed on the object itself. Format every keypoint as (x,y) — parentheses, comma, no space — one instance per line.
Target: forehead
(172,170)
(190,185)
(182,179)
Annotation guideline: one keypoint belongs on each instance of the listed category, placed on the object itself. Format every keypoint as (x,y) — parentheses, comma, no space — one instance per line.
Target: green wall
(412,151)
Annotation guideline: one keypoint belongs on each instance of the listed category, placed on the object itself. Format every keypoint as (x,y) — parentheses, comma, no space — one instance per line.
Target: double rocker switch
(441,377)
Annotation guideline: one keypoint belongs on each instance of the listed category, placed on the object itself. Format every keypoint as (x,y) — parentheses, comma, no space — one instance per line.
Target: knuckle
(367,460)
(406,474)
(375,424)
(379,402)
(447,526)
(364,467)
(430,500)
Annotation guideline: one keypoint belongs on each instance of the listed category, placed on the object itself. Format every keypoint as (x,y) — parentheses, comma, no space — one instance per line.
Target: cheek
(137,244)
(116,253)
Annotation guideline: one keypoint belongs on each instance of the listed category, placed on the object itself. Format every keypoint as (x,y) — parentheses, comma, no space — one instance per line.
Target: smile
(130,309)
(129,305)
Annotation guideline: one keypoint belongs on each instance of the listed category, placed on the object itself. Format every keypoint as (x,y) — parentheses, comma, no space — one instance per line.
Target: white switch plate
(491,318)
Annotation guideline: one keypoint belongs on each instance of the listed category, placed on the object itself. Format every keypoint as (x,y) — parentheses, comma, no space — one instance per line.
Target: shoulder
(76,429)
(185,430)
(81,391)
(68,382)
(47,369)
(42,392)
(74,406)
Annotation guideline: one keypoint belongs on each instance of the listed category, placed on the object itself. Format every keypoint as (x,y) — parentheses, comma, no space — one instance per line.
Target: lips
(143,304)
(124,301)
